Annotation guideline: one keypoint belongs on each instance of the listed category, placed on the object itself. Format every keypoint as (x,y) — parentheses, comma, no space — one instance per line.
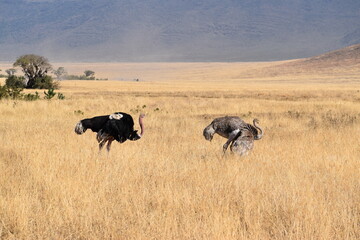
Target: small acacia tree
(34,67)
(60,73)
(89,73)
(10,71)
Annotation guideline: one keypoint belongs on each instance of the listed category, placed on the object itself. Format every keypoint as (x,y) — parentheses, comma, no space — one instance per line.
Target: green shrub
(31,97)
(15,82)
(14,93)
(10,92)
(3,92)
(49,94)
(78,112)
(45,82)
(60,96)
(78,77)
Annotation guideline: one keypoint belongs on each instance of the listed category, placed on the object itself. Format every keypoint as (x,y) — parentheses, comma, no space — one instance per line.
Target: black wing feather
(120,129)
(95,123)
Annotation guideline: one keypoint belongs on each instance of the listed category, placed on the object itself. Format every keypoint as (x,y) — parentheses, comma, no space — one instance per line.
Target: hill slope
(344,62)
(159,30)
(345,57)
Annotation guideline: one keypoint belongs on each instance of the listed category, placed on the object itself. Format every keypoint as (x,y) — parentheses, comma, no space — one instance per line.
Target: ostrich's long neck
(141,124)
(260,134)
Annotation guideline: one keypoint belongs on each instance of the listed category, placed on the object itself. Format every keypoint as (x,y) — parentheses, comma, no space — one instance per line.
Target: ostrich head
(135,135)
(209,132)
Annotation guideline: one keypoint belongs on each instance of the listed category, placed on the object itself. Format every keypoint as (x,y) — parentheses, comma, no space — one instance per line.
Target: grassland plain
(301,181)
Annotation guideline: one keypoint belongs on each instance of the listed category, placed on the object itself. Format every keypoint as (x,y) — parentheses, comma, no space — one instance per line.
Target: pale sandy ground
(157,71)
(266,72)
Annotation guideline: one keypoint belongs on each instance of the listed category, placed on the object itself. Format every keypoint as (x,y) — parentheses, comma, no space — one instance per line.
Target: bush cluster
(15,82)
(14,86)
(45,82)
(16,93)
(10,92)
(78,77)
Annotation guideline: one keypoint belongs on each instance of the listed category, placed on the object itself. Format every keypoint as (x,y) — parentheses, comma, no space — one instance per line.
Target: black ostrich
(118,126)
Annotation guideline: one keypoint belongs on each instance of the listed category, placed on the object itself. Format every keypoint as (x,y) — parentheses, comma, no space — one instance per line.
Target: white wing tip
(116,116)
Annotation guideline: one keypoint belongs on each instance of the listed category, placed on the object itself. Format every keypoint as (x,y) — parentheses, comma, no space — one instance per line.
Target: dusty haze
(159,30)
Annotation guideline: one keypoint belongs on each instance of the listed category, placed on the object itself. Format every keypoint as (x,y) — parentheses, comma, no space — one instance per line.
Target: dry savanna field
(301,181)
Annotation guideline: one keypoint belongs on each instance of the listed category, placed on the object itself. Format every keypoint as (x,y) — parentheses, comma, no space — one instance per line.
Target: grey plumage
(240,135)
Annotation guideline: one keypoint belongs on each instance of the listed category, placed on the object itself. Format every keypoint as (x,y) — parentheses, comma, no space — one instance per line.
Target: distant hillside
(345,57)
(339,61)
(348,57)
(186,30)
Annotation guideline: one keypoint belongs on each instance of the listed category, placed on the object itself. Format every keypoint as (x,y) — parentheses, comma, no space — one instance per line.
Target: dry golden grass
(301,181)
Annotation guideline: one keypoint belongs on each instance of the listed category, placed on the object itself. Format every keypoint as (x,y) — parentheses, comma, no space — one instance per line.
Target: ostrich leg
(232,136)
(102,143)
(108,146)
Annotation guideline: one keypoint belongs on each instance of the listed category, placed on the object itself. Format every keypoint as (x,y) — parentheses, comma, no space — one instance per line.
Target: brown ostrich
(240,135)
